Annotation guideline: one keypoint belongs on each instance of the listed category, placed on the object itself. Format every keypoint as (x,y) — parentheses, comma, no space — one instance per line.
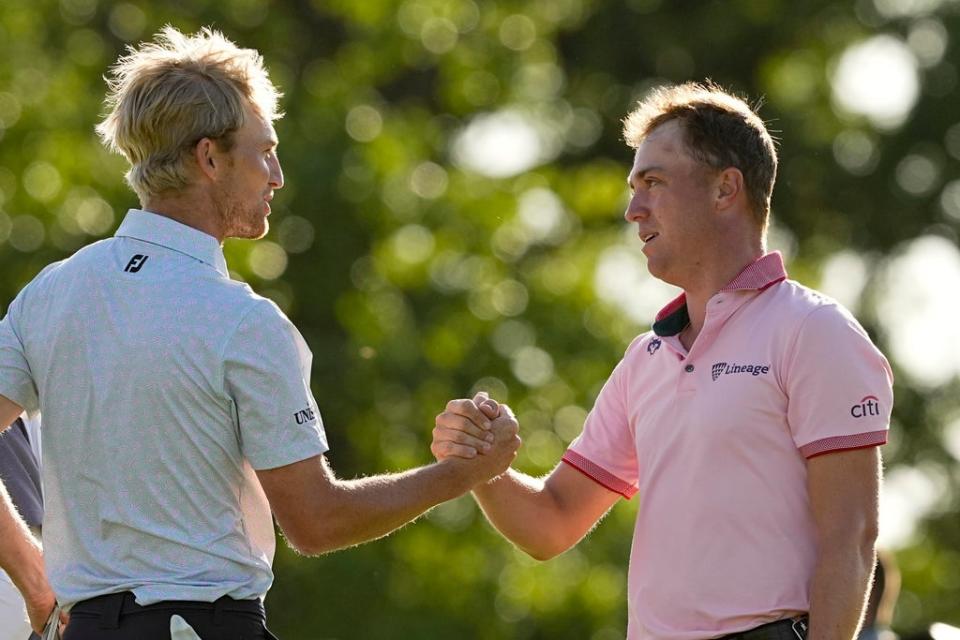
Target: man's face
(250,178)
(672,205)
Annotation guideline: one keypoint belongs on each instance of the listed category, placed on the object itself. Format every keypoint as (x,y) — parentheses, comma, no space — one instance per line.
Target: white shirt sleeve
(16,380)
(267,375)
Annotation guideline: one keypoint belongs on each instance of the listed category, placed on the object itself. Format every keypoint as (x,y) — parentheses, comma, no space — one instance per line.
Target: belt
(789,629)
(112,606)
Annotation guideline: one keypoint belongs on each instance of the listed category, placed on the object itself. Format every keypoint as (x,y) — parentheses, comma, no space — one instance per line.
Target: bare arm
(542,516)
(320,513)
(844,497)
(9,411)
(20,555)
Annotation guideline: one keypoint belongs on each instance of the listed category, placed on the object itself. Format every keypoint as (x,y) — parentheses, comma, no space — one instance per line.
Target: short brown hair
(720,129)
(169,94)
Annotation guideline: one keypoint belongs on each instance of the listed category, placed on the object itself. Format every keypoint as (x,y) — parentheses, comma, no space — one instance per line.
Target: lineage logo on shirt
(722,369)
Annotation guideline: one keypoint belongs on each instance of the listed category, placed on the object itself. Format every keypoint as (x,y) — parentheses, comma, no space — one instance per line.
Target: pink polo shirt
(716,441)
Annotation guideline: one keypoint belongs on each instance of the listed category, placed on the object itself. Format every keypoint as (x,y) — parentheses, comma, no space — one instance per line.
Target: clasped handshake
(480,436)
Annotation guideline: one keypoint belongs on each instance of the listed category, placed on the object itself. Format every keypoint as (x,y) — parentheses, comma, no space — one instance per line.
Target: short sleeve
(16,379)
(839,385)
(605,451)
(267,375)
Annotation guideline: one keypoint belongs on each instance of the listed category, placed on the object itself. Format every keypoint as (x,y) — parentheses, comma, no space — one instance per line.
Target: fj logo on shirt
(653,345)
(869,406)
(136,263)
(305,415)
(722,369)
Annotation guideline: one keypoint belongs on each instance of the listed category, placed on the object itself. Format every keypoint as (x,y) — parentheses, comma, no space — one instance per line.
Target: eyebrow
(639,174)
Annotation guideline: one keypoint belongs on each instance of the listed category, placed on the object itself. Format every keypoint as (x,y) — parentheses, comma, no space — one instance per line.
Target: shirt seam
(221,360)
(846,442)
(627,491)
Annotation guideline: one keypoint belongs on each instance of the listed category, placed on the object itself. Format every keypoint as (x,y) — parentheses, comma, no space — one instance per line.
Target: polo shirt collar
(166,232)
(756,276)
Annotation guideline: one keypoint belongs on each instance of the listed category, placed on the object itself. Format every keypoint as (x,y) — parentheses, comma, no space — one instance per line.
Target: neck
(712,275)
(192,209)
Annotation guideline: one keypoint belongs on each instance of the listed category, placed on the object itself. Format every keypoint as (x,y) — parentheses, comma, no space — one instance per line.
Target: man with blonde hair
(177,404)
(747,420)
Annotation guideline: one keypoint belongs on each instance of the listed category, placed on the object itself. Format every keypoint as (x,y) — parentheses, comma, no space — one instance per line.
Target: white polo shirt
(163,384)
(716,440)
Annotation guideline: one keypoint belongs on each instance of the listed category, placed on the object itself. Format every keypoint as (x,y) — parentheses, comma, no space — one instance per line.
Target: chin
(251,227)
(255,232)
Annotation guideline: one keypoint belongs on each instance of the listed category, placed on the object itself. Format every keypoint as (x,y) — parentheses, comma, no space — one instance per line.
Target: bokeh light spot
(42,181)
(911,305)
(877,78)
(518,32)
(267,260)
(364,123)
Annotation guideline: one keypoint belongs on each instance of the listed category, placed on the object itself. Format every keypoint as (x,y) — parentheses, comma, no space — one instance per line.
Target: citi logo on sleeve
(136,263)
(869,406)
(305,415)
(722,369)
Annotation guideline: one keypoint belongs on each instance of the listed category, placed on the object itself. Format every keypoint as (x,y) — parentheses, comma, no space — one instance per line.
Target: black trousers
(119,617)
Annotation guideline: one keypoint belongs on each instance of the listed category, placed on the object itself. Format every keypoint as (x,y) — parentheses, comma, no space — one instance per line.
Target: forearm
(524,511)
(839,590)
(20,554)
(355,511)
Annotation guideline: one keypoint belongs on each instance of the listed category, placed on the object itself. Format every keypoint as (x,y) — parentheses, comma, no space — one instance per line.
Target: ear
(730,188)
(208,158)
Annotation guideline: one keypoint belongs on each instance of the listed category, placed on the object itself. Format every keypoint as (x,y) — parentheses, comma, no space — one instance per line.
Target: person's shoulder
(71,264)
(809,310)
(647,342)
(798,302)
(258,310)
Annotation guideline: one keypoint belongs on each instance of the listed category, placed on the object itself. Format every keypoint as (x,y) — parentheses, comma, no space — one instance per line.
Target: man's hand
(464,429)
(497,457)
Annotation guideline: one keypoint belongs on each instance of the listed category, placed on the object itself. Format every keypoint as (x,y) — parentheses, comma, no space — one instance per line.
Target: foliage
(416,277)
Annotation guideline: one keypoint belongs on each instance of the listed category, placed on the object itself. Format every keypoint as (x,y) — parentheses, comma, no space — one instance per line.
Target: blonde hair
(171,93)
(720,130)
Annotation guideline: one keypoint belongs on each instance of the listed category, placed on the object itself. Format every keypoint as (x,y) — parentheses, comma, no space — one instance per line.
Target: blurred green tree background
(452,222)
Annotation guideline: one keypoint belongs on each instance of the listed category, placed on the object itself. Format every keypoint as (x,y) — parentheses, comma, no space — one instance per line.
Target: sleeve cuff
(599,475)
(843,443)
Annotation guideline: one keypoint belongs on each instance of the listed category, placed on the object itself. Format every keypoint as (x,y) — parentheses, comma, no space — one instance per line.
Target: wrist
(460,475)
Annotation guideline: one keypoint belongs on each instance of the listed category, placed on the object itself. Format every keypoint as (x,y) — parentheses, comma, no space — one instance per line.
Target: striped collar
(763,272)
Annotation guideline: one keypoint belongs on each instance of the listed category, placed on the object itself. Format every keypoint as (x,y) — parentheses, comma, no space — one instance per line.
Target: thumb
(486,404)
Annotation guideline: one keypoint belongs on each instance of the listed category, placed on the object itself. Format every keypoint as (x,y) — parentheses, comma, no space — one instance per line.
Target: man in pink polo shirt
(748,419)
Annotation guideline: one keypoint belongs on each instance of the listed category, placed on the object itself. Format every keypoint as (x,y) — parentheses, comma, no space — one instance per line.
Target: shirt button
(688,368)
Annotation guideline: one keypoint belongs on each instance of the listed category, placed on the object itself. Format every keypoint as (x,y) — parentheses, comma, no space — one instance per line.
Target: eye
(651,182)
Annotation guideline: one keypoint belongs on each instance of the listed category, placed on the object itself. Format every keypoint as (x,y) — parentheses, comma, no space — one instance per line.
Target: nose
(276,174)
(636,210)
